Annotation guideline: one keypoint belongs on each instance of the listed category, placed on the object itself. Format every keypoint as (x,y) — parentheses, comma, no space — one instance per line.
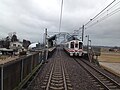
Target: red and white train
(74,47)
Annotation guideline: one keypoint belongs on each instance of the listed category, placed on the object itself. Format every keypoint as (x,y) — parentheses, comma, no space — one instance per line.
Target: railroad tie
(56,88)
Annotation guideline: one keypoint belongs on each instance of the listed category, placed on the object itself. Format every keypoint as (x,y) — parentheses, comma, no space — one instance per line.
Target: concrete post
(2,78)
(46,44)
(21,70)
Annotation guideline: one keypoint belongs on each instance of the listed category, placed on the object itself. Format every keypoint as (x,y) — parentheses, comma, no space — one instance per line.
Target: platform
(112,67)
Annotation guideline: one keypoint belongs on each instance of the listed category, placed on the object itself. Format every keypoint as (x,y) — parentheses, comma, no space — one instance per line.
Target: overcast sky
(29,18)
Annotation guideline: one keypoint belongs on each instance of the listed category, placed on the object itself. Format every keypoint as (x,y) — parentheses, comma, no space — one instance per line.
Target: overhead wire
(111,13)
(105,14)
(105,17)
(100,7)
(61,15)
(112,7)
(99,12)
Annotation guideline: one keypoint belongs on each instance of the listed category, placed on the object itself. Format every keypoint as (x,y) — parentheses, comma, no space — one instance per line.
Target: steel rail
(50,76)
(48,84)
(52,72)
(113,81)
(65,84)
(92,75)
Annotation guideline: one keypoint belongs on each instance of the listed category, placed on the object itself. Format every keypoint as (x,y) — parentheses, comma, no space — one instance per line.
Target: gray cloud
(29,18)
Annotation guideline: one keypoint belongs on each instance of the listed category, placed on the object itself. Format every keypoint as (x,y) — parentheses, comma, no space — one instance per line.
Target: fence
(13,73)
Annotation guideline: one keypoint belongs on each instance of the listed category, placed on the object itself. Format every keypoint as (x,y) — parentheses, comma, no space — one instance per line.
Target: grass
(2,57)
(109,57)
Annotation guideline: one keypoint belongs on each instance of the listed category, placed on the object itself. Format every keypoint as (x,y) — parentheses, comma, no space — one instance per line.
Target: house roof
(32,45)
(52,38)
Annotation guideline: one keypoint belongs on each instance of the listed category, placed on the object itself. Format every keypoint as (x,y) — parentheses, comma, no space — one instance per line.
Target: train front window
(72,45)
(80,45)
(76,45)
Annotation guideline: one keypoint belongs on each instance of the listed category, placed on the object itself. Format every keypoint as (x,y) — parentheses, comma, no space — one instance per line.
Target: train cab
(74,47)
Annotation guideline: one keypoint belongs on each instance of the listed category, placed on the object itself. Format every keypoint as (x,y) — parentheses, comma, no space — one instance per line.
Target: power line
(100,12)
(107,10)
(105,17)
(113,5)
(61,16)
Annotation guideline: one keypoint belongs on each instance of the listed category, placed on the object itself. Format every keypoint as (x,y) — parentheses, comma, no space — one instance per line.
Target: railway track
(101,80)
(57,78)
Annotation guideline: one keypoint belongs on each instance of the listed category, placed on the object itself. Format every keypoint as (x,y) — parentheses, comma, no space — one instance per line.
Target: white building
(33,45)
(14,45)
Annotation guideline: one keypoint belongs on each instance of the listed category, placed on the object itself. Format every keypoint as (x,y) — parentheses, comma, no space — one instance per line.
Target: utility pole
(87,43)
(90,43)
(88,49)
(45,37)
(82,33)
(46,44)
